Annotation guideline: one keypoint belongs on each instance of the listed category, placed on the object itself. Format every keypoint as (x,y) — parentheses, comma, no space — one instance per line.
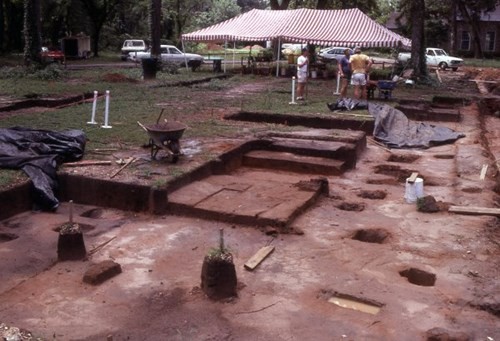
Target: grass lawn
(200,106)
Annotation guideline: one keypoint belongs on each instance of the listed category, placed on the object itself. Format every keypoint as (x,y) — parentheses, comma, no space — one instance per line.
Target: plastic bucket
(314,74)
(415,190)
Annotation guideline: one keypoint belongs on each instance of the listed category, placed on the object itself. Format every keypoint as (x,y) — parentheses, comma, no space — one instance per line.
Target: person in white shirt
(302,73)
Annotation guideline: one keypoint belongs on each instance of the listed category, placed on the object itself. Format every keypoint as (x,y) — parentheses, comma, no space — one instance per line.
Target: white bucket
(314,74)
(283,71)
(414,190)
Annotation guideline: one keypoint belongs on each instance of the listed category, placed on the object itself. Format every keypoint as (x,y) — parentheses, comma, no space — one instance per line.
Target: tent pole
(234,53)
(184,52)
(225,55)
(278,57)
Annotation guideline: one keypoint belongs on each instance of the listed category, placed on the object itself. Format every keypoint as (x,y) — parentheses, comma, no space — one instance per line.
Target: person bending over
(360,66)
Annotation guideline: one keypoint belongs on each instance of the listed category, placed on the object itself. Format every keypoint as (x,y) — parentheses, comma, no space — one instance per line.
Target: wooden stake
(483,172)
(221,239)
(123,167)
(71,211)
(439,76)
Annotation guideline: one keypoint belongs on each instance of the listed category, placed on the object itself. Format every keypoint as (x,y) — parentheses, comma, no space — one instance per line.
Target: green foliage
(219,11)
(49,73)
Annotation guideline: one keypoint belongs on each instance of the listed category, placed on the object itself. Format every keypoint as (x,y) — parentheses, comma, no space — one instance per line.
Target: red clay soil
(432,274)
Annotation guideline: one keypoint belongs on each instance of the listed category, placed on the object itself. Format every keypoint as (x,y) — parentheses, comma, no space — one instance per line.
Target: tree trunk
(473,22)
(155,28)
(417,8)
(95,40)
(322,4)
(32,37)
(453,28)
(2,26)
(279,5)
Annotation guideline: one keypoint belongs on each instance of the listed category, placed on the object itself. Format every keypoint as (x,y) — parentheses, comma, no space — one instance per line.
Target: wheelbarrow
(166,136)
(385,89)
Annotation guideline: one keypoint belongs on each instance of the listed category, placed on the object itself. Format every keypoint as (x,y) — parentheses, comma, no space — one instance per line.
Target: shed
(76,46)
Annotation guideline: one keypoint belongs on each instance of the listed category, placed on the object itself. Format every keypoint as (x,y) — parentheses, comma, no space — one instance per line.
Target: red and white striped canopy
(347,27)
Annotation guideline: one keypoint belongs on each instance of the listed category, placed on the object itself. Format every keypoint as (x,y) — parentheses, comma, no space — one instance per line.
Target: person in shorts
(344,72)
(302,73)
(360,66)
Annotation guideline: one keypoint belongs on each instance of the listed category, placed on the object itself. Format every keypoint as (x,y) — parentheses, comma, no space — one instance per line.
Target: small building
(76,46)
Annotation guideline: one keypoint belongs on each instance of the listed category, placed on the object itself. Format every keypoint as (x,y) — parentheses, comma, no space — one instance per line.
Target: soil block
(218,276)
(70,245)
(100,272)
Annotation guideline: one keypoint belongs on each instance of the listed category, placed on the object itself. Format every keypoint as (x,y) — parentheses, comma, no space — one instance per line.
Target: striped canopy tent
(348,27)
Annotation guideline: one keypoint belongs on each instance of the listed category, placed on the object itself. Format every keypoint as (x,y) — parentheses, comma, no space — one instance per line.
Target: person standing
(360,66)
(302,73)
(344,70)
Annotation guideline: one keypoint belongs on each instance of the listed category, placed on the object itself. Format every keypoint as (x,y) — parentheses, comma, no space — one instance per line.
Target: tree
(247,5)
(279,4)
(32,36)
(219,11)
(155,28)
(99,12)
(418,62)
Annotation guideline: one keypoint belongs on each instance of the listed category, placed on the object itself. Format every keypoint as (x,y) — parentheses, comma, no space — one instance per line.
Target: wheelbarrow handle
(161,113)
(142,126)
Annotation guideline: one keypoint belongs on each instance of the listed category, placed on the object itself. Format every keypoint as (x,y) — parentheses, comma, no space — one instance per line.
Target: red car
(52,56)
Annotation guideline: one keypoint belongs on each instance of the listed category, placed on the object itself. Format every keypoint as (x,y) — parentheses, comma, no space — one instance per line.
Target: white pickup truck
(435,57)
(171,54)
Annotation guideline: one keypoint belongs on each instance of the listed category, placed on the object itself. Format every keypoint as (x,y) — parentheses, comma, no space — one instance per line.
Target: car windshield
(440,53)
(173,50)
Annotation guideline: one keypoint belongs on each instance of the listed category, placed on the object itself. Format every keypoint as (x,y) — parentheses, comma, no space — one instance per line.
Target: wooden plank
(87,163)
(483,172)
(413,177)
(258,257)
(475,210)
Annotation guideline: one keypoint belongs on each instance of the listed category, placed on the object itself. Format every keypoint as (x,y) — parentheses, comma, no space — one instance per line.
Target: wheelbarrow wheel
(175,148)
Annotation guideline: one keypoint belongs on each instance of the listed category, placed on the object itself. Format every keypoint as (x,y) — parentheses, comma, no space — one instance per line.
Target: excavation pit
(419,277)
(351,206)
(377,236)
(400,174)
(403,158)
(7,237)
(374,195)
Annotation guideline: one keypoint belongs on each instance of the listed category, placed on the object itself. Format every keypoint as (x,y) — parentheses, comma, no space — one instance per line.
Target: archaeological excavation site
(301,227)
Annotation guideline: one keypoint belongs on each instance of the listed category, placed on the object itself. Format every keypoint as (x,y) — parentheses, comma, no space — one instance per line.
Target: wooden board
(413,177)
(258,257)
(475,210)
(87,163)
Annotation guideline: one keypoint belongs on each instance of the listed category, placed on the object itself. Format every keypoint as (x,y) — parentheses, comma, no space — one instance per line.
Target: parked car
(435,57)
(171,54)
(132,45)
(52,55)
(332,54)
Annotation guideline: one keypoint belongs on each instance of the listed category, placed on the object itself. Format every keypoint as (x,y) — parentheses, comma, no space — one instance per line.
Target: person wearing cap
(344,72)
(302,72)
(360,66)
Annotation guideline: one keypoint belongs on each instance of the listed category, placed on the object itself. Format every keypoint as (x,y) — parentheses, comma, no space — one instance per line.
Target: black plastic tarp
(38,153)
(395,130)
